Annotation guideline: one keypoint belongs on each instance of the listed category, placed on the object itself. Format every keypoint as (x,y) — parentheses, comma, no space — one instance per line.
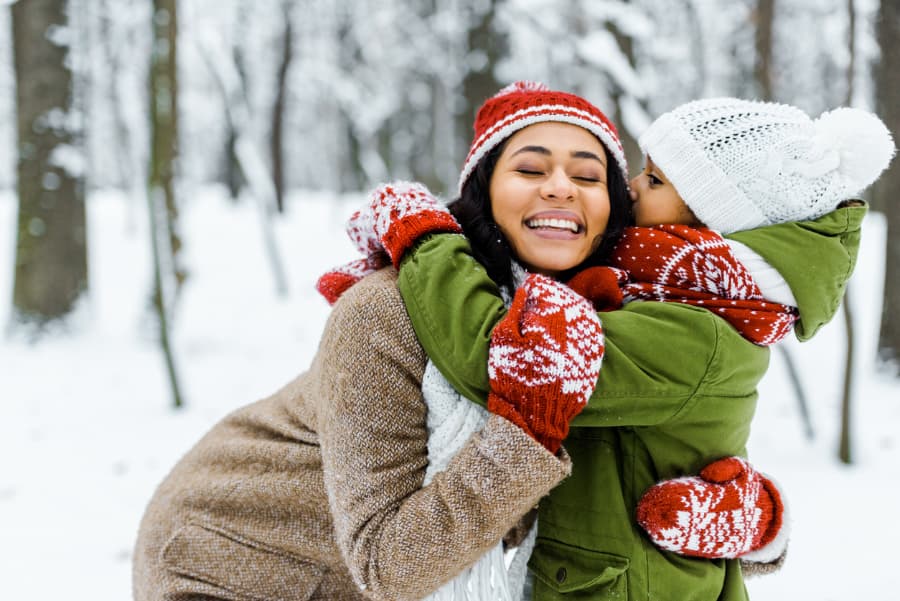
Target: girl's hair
(490,247)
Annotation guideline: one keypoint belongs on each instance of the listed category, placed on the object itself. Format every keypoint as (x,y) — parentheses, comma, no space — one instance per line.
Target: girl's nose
(633,187)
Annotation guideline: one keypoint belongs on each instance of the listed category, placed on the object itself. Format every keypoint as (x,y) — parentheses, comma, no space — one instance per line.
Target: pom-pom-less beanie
(740,164)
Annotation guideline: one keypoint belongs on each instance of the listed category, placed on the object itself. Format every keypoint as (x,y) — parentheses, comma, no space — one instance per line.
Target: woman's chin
(553,268)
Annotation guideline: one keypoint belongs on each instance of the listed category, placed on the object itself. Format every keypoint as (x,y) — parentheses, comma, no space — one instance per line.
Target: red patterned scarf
(695,266)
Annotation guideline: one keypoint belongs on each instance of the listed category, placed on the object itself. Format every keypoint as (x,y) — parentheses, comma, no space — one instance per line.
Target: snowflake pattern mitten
(730,510)
(544,359)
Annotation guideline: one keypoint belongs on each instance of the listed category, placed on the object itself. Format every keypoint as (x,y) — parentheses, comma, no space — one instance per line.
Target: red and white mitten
(334,283)
(544,359)
(395,216)
(729,511)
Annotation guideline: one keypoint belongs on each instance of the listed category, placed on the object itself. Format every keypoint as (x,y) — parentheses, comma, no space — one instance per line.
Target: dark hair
(491,248)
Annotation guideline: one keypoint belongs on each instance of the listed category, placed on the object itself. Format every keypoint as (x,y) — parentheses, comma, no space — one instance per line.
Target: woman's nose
(558,186)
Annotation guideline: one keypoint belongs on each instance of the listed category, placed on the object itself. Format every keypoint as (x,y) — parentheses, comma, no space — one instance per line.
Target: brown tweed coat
(316,491)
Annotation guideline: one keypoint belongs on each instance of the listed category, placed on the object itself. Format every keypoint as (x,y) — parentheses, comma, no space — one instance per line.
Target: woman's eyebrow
(585,154)
(538,149)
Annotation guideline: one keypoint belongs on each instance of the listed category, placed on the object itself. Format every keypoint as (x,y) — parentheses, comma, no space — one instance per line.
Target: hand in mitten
(729,511)
(601,286)
(395,216)
(544,359)
(334,283)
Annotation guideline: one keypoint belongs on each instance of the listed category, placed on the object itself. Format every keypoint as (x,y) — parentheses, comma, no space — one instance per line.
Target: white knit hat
(740,164)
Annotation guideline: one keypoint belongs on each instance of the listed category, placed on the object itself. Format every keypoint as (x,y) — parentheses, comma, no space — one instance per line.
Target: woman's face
(656,201)
(549,196)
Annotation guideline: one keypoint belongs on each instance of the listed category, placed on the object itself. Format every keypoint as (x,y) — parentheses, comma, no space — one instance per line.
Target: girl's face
(656,201)
(549,196)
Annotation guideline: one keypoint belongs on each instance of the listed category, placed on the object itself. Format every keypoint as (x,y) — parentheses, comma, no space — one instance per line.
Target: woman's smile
(556,225)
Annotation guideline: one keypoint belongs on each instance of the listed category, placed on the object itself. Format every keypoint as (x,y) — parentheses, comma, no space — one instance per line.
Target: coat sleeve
(454,305)
(399,539)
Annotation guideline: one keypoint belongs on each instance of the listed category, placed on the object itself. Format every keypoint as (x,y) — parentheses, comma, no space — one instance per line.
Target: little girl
(726,164)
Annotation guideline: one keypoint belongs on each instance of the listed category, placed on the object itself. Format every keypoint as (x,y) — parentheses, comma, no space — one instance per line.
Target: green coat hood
(816,259)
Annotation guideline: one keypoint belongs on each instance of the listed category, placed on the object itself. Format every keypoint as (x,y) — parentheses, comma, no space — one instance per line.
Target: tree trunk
(352,176)
(162,206)
(886,190)
(51,270)
(234,180)
(762,70)
(484,50)
(164,127)
(287,54)
(844,446)
(633,155)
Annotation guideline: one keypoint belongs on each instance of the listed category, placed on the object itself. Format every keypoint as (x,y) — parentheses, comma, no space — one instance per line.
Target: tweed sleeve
(400,539)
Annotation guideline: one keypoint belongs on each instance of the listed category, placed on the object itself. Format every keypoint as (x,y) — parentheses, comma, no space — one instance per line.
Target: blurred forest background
(158,97)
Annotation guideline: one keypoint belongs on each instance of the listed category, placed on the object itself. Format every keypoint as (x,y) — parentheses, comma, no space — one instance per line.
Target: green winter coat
(677,390)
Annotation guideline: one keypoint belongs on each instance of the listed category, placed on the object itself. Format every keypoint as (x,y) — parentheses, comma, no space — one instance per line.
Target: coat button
(561,575)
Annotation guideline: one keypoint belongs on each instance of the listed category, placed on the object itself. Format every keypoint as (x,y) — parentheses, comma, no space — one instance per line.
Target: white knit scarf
(451,420)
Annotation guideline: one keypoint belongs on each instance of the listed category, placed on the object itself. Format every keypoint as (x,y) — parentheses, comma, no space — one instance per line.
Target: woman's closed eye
(529,171)
(653,180)
(592,179)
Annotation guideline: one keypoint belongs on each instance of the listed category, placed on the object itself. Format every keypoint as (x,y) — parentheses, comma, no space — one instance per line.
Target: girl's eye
(527,171)
(587,178)
(654,181)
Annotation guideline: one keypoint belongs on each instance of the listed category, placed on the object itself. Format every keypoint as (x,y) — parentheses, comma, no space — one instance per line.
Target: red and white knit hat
(525,103)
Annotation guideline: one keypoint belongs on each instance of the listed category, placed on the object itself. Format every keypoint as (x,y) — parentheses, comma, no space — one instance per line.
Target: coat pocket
(562,569)
(247,568)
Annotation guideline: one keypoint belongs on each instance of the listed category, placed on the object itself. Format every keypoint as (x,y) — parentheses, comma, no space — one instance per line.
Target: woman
(317,492)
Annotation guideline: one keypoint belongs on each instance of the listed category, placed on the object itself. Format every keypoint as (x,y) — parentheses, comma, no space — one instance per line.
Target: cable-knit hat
(740,164)
(524,103)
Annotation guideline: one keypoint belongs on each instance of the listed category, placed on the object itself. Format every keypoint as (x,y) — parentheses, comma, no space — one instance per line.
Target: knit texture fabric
(525,103)
(729,511)
(602,285)
(742,164)
(335,282)
(394,217)
(695,266)
(544,359)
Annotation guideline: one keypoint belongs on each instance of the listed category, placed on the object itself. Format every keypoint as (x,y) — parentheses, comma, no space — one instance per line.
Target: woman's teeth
(558,224)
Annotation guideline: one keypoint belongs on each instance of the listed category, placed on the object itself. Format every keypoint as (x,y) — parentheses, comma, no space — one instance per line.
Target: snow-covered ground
(86,430)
